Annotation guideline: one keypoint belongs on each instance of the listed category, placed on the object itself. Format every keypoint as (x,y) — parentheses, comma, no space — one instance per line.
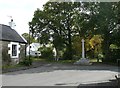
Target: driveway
(60,75)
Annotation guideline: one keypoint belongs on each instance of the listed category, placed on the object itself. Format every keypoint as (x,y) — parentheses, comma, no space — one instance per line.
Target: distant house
(33,48)
(13,45)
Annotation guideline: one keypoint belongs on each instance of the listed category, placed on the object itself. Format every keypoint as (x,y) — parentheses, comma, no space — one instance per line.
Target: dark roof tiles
(9,34)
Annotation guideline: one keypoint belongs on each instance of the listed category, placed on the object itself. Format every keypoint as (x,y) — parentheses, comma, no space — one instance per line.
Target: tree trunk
(69,39)
(57,54)
(106,45)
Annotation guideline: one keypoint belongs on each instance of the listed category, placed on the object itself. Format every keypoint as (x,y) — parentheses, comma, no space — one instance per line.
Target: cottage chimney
(12,24)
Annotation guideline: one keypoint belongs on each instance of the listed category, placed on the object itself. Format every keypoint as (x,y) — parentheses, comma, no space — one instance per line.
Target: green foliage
(96,44)
(26,62)
(60,23)
(113,46)
(28,38)
(96,41)
(100,56)
(46,52)
(11,66)
(77,46)
(114,55)
(66,55)
(107,25)
(92,46)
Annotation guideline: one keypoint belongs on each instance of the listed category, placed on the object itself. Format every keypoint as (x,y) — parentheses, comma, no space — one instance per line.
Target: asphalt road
(60,75)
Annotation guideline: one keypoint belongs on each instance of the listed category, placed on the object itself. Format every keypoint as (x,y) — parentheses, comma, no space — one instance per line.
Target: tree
(61,21)
(106,24)
(116,31)
(96,44)
(54,22)
(26,36)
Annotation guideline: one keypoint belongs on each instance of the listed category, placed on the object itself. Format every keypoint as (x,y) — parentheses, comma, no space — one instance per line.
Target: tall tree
(60,21)
(54,22)
(107,19)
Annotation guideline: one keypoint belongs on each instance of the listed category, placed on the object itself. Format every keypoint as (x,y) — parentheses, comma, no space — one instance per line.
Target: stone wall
(22,54)
(5,56)
(6,59)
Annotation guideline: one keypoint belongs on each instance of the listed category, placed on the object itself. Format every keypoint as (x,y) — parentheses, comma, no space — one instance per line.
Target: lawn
(52,61)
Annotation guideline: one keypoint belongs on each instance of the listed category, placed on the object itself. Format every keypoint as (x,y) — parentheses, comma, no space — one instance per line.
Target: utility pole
(29,45)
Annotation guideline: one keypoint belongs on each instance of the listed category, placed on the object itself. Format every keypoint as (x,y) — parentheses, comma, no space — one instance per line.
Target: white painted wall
(34,49)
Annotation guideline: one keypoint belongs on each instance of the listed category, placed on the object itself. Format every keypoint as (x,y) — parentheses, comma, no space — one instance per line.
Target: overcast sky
(21,11)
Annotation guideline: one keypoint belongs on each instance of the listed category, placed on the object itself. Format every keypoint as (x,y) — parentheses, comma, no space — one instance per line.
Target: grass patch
(11,66)
(37,59)
(66,61)
(52,61)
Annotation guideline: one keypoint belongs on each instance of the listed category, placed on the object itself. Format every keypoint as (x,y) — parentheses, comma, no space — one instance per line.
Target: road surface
(60,75)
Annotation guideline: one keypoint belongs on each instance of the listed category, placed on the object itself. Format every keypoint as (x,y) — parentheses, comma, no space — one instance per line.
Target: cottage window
(14,50)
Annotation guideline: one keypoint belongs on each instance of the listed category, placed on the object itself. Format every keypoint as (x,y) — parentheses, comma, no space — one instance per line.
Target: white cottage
(13,45)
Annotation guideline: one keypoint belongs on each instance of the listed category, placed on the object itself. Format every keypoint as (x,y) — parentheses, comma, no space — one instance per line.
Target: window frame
(14,50)
(17,49)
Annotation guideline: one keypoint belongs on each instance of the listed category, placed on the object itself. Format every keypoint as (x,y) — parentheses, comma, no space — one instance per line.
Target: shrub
(114,55)
(67,55)
(26,62)
(47,52)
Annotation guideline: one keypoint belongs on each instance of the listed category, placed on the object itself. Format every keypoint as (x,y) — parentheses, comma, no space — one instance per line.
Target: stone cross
(83,60)
(83,50)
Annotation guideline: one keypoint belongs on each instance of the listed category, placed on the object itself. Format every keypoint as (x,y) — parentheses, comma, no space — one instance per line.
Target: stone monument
(83,60)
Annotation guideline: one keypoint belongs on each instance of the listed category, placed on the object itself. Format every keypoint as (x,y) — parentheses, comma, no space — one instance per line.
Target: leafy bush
(100,56)
(26,62)
(114,55)
(67,55)
(47,52)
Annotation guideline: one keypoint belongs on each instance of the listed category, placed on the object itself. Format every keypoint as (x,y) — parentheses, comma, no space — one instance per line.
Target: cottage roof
(9,34)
